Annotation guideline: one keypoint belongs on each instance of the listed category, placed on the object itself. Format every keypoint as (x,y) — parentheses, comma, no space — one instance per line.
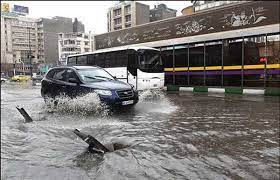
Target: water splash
(151,95)
(82,105)
(154,100)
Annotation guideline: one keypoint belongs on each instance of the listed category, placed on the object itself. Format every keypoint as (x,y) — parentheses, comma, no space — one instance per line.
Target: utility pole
(22,66)
(30,56)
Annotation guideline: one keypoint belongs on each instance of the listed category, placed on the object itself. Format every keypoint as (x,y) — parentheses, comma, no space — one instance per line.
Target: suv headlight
(103,92)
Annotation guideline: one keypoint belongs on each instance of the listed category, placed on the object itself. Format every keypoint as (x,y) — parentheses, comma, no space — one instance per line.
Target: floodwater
(168,136)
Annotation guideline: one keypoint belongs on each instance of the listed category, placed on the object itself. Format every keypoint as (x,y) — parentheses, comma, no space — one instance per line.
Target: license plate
(127,102)
(155,85)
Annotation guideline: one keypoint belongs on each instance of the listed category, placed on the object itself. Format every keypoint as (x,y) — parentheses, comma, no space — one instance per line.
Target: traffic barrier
(272,92)
(200,89)
(234,90)
(227,90)
(172,88)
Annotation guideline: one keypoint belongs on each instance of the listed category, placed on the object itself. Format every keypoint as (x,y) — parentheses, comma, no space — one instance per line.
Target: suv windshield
(94,74)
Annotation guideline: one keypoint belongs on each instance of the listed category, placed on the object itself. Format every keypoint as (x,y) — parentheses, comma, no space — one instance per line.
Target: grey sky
(91,13)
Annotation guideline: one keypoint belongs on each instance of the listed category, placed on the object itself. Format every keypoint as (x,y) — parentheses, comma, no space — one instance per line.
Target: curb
(227,90)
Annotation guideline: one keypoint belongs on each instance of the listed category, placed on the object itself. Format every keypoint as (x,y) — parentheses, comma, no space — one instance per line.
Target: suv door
(72,89)
(58,82)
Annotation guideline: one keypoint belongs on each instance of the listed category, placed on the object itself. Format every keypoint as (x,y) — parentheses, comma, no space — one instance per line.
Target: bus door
(132,65)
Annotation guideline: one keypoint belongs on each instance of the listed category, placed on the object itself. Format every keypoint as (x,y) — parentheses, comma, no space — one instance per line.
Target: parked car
(3,80)
(20,78)
(37,77)
(80,80)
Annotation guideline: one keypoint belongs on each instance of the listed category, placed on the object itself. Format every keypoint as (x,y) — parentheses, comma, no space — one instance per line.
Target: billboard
(20,9)
(5,7)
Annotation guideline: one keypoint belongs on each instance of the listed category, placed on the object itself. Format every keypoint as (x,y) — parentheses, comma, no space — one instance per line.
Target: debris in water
(24,114)
(94,144)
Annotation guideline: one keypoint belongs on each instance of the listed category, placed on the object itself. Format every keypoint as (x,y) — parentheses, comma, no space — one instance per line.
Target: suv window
(60,74)
(50,73)
(70,74)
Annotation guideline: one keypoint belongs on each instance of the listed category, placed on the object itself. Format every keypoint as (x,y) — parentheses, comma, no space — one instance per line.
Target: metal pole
(30,60)
(188,64)
(22,66)
(242,70)
(222,79)
(173,57)
(14,67)
(265,63)
(204,62)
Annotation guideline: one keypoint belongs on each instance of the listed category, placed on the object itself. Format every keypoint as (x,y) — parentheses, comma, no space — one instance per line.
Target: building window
(78,42)
(128,25)
(128,18)
(127,9)
(118,21)
(86,36)
(86,43)
(117,28)
(117,12)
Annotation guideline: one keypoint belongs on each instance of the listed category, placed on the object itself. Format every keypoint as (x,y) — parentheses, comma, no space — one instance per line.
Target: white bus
(140,66)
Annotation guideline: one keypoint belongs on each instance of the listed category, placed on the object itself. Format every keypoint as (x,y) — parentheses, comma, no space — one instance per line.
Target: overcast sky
(91,13)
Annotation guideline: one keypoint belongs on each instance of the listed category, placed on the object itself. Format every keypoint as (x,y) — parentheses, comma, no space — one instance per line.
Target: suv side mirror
(73,80)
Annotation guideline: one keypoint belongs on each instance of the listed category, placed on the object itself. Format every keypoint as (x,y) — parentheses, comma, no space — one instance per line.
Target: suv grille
(125,94)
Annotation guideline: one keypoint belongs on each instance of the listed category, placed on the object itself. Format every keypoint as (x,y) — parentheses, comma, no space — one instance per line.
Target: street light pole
(30,60)
(22,66)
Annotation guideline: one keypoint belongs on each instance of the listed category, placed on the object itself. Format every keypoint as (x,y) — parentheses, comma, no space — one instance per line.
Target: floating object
(24,114)
(94,144)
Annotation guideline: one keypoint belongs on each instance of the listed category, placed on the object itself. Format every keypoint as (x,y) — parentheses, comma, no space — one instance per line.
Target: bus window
(82,60)
(108,60)
(150,61)
(100,60)
(71,61)
(119,59)
(91,59)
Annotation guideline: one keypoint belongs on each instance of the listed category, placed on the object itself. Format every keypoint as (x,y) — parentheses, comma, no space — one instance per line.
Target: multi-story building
(160,12)
(48,30)
(127,14)
(73,43)
(26,39)
(78,26)
(18,42)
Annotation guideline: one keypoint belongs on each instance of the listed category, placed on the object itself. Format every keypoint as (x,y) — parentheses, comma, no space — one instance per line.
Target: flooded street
(168,136)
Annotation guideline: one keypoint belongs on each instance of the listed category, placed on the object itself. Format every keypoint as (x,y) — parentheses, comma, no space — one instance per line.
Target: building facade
(28,43)
(48,30)
(78,26)
(161,12)
(19,43)
(127,14)
(73,43)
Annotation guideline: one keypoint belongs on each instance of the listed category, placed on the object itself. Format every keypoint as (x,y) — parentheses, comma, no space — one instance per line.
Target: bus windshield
(150,61)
